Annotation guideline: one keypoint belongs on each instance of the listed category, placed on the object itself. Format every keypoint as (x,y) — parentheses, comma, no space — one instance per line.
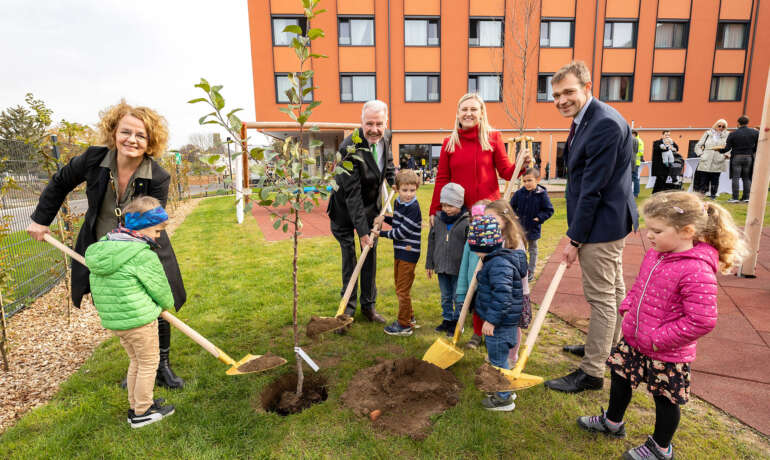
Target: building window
(544,89)
(281,38)
(666,88)
(356,31)
(282,84)
(555,34)
(671,35)
(357,88)
(619,34)
(617,88)
(732,35)
(488,86)
(421,32)
(486,32)
(422,88)
(726,88)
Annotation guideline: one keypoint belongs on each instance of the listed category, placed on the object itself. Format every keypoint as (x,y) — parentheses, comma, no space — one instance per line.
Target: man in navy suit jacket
(601,211)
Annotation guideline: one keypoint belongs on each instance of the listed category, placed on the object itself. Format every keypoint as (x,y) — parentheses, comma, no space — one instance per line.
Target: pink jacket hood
(672,303)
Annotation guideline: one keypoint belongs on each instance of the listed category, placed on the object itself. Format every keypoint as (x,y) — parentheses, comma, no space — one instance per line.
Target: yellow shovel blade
(520,382)
(234,368)
(443,353)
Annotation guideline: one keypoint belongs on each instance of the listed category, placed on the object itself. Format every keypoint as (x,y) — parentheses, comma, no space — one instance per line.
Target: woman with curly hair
(116,173)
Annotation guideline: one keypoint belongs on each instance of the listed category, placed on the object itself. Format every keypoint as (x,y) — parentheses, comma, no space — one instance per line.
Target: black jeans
(741,168)
(345,237)
(707,183)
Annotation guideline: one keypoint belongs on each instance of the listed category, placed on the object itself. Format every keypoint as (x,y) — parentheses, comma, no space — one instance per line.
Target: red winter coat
(474,169)
(673,303)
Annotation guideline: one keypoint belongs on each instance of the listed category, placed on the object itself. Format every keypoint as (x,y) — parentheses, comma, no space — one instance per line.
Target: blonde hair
(721,121)
(154,123)
(713,224)
(407,177)
(141,204)
(577,68)
(512,232)
(484,128)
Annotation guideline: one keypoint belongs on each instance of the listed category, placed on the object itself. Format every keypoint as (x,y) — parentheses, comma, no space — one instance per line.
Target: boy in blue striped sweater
(406,224)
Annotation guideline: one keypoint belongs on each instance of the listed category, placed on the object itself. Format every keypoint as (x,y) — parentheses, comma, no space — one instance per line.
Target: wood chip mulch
(44,351)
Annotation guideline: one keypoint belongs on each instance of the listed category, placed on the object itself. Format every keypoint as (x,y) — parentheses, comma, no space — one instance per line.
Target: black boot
(165,376)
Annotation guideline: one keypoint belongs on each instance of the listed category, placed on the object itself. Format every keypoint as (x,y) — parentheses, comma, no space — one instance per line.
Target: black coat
(658,168)
(600,205)
(356,202)
(85,167)
(742,141)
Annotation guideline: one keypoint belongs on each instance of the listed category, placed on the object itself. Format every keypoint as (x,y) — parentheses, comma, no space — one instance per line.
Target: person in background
(638,148)
(532,207)
(712,162)
(742,145)
(662,156)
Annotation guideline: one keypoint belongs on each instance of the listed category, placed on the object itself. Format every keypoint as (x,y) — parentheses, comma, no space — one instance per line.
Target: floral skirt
(670,380)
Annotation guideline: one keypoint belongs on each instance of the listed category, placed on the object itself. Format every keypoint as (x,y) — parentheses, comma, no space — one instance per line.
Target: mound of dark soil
(266,361)
(489,378)
(281,395)
(407,391)
(318,325)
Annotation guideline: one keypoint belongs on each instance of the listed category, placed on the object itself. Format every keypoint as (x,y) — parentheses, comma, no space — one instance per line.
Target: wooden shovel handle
(187,330)
(537,324)
(466,304)
(360,263)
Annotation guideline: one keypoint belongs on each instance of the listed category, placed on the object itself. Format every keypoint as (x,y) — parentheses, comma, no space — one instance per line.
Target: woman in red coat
(472,156)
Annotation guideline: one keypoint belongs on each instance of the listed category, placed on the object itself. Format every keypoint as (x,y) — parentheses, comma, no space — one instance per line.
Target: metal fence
(32,267)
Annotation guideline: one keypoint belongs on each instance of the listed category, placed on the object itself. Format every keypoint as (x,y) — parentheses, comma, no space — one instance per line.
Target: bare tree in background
(520,23)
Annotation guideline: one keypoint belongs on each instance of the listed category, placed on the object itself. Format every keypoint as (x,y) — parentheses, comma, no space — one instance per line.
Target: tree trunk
(300,376)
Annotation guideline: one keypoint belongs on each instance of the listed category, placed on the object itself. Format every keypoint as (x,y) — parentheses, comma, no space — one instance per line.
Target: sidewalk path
(732,368)
(314,223)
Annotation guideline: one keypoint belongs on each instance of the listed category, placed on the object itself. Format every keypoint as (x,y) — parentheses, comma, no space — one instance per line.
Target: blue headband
(140,220)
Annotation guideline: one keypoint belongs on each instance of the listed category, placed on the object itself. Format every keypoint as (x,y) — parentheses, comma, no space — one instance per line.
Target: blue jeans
(498,346)
(532,262)
(635,180)
(448,285)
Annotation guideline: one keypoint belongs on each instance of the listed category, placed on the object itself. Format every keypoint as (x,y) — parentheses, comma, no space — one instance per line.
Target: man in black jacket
(355,204)
(660,169)
(742,145)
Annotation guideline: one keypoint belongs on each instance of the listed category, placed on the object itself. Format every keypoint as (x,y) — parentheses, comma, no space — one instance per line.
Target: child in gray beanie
(445,251)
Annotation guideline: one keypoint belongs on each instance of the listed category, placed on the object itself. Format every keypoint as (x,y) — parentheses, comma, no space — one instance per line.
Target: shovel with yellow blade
(519,380)
(248,364)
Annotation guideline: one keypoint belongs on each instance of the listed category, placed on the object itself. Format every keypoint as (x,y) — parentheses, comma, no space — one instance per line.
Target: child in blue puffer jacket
(499,298)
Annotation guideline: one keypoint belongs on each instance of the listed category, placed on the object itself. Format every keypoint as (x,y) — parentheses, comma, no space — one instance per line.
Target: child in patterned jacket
(672,304)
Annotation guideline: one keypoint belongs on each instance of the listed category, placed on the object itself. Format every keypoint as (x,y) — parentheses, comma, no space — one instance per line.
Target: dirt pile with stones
(407,391)
(489,378)
(319,325)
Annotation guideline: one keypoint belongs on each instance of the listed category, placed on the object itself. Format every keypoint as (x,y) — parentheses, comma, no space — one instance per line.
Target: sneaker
(744,201)
(414,324)
(474,342)
(154,414)
(443,327)
(598,424)
(397,329)
(648,451)
(733,200)
(496,403)
(450,331)
(156,401)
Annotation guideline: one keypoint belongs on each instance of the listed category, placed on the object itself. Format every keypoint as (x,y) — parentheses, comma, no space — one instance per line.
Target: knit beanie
(484,234)
(453,195)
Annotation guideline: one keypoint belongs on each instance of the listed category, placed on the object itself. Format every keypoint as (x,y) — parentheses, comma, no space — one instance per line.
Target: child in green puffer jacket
(130,289)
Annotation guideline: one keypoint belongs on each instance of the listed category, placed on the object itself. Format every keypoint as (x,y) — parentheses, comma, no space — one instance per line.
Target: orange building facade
(663,64)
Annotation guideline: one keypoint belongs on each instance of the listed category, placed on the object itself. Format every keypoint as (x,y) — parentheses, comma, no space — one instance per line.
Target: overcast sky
(81,56)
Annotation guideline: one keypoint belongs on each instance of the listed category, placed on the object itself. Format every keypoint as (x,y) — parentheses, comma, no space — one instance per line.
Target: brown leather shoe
(372,315)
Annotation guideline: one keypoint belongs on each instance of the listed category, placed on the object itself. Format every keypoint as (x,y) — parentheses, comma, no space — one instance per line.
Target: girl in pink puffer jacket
(673,303)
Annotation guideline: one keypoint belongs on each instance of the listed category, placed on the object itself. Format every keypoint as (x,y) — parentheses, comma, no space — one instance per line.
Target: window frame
(746,31)
(427,19)
(348,17)
(488,74)
(612,22)
(739,92)
(356,74)
(553,19)
(610,75)
(275,89)
(273,17)
(686,34)
(423,74)
(681,87)
(500,19)
(542,74)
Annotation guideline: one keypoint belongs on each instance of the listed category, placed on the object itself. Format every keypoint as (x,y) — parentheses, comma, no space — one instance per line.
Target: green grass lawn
(239,296)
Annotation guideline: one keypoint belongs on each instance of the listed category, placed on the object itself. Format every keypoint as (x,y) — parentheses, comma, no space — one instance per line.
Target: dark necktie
(572,128)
